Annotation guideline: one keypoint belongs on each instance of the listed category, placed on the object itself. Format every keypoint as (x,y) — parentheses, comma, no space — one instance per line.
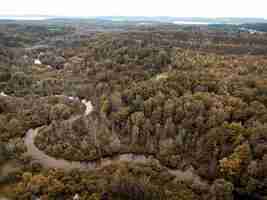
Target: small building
(3,94)
(37,62)
(76,197)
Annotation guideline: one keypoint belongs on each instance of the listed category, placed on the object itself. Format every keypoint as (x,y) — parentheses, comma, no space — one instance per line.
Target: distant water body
(191,23)
(21,18)
(204,23)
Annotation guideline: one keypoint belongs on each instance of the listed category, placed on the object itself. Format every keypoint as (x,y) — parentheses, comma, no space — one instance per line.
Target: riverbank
(50,162)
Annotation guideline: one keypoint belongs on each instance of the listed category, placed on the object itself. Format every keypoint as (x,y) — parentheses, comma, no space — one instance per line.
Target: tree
(156,116)
(5,74)
(135,134)
(169,129)
(138,118)
(169,109)
(138,103)
(106,107)
(20,80)
(221,190)
(4,155)
(148,107)
(60,111)
(237,162)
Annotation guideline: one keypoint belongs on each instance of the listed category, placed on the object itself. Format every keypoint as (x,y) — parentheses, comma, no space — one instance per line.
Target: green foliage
(168,93)
(221,190)
(4,154)
(130,189)
(236,162)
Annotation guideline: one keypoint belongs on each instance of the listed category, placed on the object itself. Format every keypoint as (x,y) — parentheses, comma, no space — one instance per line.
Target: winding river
(51,162)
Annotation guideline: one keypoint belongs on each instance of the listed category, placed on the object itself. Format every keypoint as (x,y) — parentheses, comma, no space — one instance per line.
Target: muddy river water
(51,162)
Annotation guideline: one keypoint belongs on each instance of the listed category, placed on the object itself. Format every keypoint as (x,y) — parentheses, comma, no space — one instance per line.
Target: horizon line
(145,16)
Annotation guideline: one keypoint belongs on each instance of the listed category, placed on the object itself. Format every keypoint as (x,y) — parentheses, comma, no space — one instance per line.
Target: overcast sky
(180,8)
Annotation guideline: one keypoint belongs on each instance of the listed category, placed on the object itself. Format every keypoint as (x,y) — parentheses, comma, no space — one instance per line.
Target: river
(51,162)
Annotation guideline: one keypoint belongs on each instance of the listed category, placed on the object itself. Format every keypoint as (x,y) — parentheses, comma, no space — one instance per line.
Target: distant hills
(197,20)
(161,19)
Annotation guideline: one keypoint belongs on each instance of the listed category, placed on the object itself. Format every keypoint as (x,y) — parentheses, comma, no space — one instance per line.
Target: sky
(182,8)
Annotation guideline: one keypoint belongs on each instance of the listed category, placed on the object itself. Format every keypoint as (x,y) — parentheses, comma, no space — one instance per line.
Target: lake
(191,23)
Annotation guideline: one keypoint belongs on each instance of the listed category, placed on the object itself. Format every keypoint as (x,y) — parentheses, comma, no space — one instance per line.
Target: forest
(132,112)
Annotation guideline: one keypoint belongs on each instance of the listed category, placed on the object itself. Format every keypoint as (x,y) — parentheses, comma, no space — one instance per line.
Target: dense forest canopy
(127,111)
